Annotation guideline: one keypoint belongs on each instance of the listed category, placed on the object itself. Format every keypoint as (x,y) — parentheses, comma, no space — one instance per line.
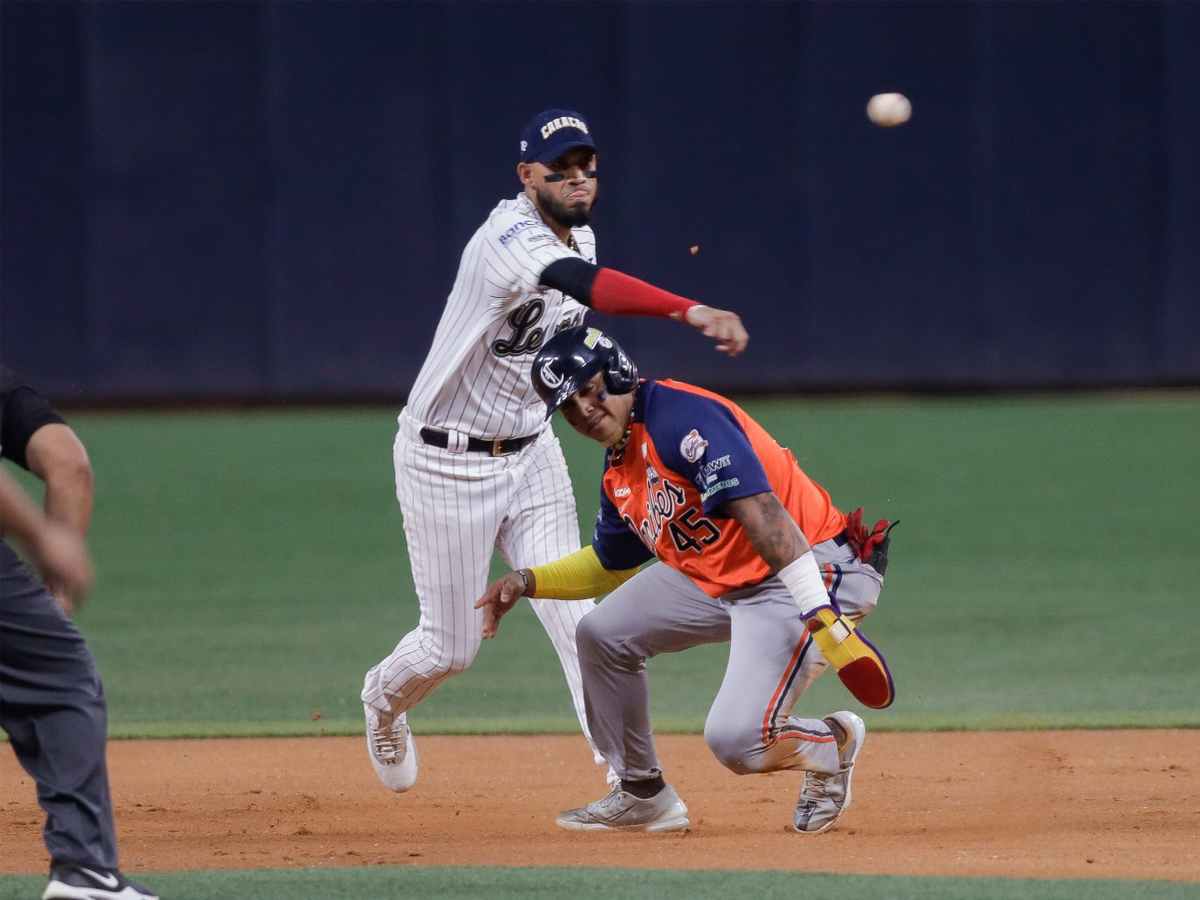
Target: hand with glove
(870,546)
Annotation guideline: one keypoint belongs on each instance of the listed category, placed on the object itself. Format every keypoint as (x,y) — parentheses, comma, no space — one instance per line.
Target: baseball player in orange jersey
(477,467)
(754,552)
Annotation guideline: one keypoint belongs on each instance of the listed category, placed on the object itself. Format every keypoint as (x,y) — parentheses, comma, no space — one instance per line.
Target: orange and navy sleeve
(616,544)
(700,438)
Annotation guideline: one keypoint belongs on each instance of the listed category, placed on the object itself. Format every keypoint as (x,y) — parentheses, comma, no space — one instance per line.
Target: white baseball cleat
(620,811)
(392,751)
(71,882)
(824,798)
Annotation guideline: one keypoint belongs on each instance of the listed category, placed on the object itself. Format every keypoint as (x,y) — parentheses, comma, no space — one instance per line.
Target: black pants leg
(52,707)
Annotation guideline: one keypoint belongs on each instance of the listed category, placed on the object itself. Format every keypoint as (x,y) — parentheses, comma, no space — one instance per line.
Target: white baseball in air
(888,110)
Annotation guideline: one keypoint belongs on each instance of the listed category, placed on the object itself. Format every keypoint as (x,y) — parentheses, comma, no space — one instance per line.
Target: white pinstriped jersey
(475,379)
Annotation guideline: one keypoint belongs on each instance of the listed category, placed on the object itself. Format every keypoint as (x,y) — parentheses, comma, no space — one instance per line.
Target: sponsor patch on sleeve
(708,472)
(720,486)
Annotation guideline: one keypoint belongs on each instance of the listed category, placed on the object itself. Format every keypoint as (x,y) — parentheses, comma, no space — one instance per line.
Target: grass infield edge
(1108,720)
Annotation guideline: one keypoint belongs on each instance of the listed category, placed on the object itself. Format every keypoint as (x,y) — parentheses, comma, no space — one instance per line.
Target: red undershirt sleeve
(613,292)
(619,294)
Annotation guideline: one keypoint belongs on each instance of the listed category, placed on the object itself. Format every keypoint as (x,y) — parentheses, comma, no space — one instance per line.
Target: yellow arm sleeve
(578,576)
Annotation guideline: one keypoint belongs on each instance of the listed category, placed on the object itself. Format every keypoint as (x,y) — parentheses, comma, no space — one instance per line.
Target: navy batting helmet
(568,361)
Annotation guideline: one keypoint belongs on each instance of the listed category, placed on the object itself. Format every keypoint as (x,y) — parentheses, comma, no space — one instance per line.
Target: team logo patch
(549,377)
(692,446)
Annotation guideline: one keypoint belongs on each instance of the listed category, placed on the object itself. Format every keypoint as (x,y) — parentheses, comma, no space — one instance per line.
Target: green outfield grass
(252,566)
(421,883)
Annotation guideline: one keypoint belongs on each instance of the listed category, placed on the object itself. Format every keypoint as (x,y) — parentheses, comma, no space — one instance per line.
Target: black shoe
(71,882)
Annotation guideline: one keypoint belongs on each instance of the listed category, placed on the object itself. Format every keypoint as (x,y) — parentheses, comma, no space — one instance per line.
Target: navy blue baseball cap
(553,132)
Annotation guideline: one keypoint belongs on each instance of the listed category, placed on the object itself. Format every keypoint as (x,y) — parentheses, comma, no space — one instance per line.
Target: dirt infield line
(1077,804)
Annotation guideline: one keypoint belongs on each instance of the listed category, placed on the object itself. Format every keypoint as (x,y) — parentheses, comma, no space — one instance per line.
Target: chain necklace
(617,453)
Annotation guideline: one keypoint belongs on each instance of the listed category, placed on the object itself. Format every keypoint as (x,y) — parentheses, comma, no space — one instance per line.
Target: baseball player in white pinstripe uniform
(478,468)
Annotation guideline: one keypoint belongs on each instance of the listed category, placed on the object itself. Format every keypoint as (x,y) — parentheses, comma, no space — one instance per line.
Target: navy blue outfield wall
(268,200)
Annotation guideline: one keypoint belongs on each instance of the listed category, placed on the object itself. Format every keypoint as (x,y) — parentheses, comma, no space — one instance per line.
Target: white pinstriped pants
(460,507)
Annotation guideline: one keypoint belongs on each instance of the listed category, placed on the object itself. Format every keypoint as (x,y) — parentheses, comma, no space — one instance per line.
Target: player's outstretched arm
(577,576)
(618,294)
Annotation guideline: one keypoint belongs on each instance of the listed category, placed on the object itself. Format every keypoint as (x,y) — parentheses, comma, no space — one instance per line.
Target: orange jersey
(689,451)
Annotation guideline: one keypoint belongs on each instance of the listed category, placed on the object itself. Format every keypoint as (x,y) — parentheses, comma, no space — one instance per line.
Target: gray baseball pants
(772,661)
(52,707)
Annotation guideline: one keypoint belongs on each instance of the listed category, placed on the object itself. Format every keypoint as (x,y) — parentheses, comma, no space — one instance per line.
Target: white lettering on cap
(563,122)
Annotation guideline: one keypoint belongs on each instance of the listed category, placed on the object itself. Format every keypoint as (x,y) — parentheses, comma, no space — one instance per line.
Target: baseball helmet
(568,361)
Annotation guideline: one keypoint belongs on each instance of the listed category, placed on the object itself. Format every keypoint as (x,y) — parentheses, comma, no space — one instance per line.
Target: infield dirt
(1078,804)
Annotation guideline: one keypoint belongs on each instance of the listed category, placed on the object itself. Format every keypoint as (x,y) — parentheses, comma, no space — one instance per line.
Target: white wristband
(803,579)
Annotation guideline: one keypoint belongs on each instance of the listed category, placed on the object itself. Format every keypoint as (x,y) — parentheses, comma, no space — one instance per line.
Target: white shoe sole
(56,890)
(831,824)
(670,825)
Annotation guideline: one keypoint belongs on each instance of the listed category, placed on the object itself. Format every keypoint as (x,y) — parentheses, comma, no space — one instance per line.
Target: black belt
(496,447)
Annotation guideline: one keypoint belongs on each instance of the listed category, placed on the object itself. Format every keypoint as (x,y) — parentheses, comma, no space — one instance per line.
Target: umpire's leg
(52,707)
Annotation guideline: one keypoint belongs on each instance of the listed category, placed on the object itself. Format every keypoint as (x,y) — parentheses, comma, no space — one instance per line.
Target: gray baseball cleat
(620,811)
(824,798)
(393,753)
